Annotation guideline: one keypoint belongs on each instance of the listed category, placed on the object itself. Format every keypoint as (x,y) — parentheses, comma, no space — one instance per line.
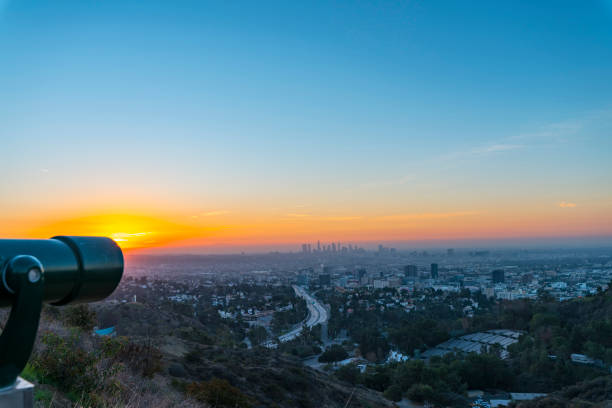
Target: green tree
(393,393)
(420,392)
(333,354)
(349,373)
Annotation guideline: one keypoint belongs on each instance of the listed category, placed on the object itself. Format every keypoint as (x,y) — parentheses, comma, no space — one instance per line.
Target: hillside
(596,393)
(163,358)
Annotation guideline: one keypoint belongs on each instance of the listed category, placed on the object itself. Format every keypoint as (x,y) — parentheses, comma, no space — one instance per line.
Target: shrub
(218,393)
(193,357)
(349,373)
(177,370)
(393,393)
(179,385)
(80,316)
(109,317)
(274,392)
(333,353)
(51,312)
(44,397)
(419,392)
(30,373)
(143,358)
(66,365)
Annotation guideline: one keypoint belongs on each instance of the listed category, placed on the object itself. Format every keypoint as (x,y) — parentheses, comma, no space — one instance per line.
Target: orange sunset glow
(244,230)
(129,231)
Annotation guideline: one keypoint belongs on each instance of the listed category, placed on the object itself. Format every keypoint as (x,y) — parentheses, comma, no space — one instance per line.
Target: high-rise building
(304,248)
(410,271)
(318,246)
(498,276)
(434,271)
(450,252)
(380,283)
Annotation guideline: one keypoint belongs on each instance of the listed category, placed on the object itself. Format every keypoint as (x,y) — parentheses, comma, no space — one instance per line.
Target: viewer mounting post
(60,271)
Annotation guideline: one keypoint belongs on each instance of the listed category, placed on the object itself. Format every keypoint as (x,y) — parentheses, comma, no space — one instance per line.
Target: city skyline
(216,127)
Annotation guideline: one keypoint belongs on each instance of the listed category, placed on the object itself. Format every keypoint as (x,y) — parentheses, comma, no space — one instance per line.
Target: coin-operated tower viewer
(61,270)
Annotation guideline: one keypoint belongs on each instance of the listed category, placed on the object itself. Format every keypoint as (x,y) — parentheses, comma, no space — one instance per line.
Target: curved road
(317,314)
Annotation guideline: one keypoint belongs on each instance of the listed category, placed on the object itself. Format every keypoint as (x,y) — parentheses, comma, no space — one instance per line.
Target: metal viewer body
(60,270)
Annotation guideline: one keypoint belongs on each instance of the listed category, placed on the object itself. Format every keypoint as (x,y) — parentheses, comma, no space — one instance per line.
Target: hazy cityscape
(302,303)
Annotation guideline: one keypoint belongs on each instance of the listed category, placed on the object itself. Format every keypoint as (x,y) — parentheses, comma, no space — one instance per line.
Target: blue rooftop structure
(109,331)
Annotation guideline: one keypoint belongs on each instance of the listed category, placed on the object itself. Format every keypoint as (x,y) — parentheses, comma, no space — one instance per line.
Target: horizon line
(565,242)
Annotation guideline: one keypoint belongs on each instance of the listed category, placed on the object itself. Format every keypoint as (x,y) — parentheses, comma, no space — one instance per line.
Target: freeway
(317,314)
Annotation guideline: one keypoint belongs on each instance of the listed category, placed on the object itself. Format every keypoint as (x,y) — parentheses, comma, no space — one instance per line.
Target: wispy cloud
(316,217)
(211,214)
(481,151)
(494,148)
(425,216)
(558,132)
(564,204)
(553,132)
(393,218)
(124,237)
(348,218)
(214,213)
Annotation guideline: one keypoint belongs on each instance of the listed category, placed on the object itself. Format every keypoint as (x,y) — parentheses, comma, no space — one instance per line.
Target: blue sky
(344,107)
